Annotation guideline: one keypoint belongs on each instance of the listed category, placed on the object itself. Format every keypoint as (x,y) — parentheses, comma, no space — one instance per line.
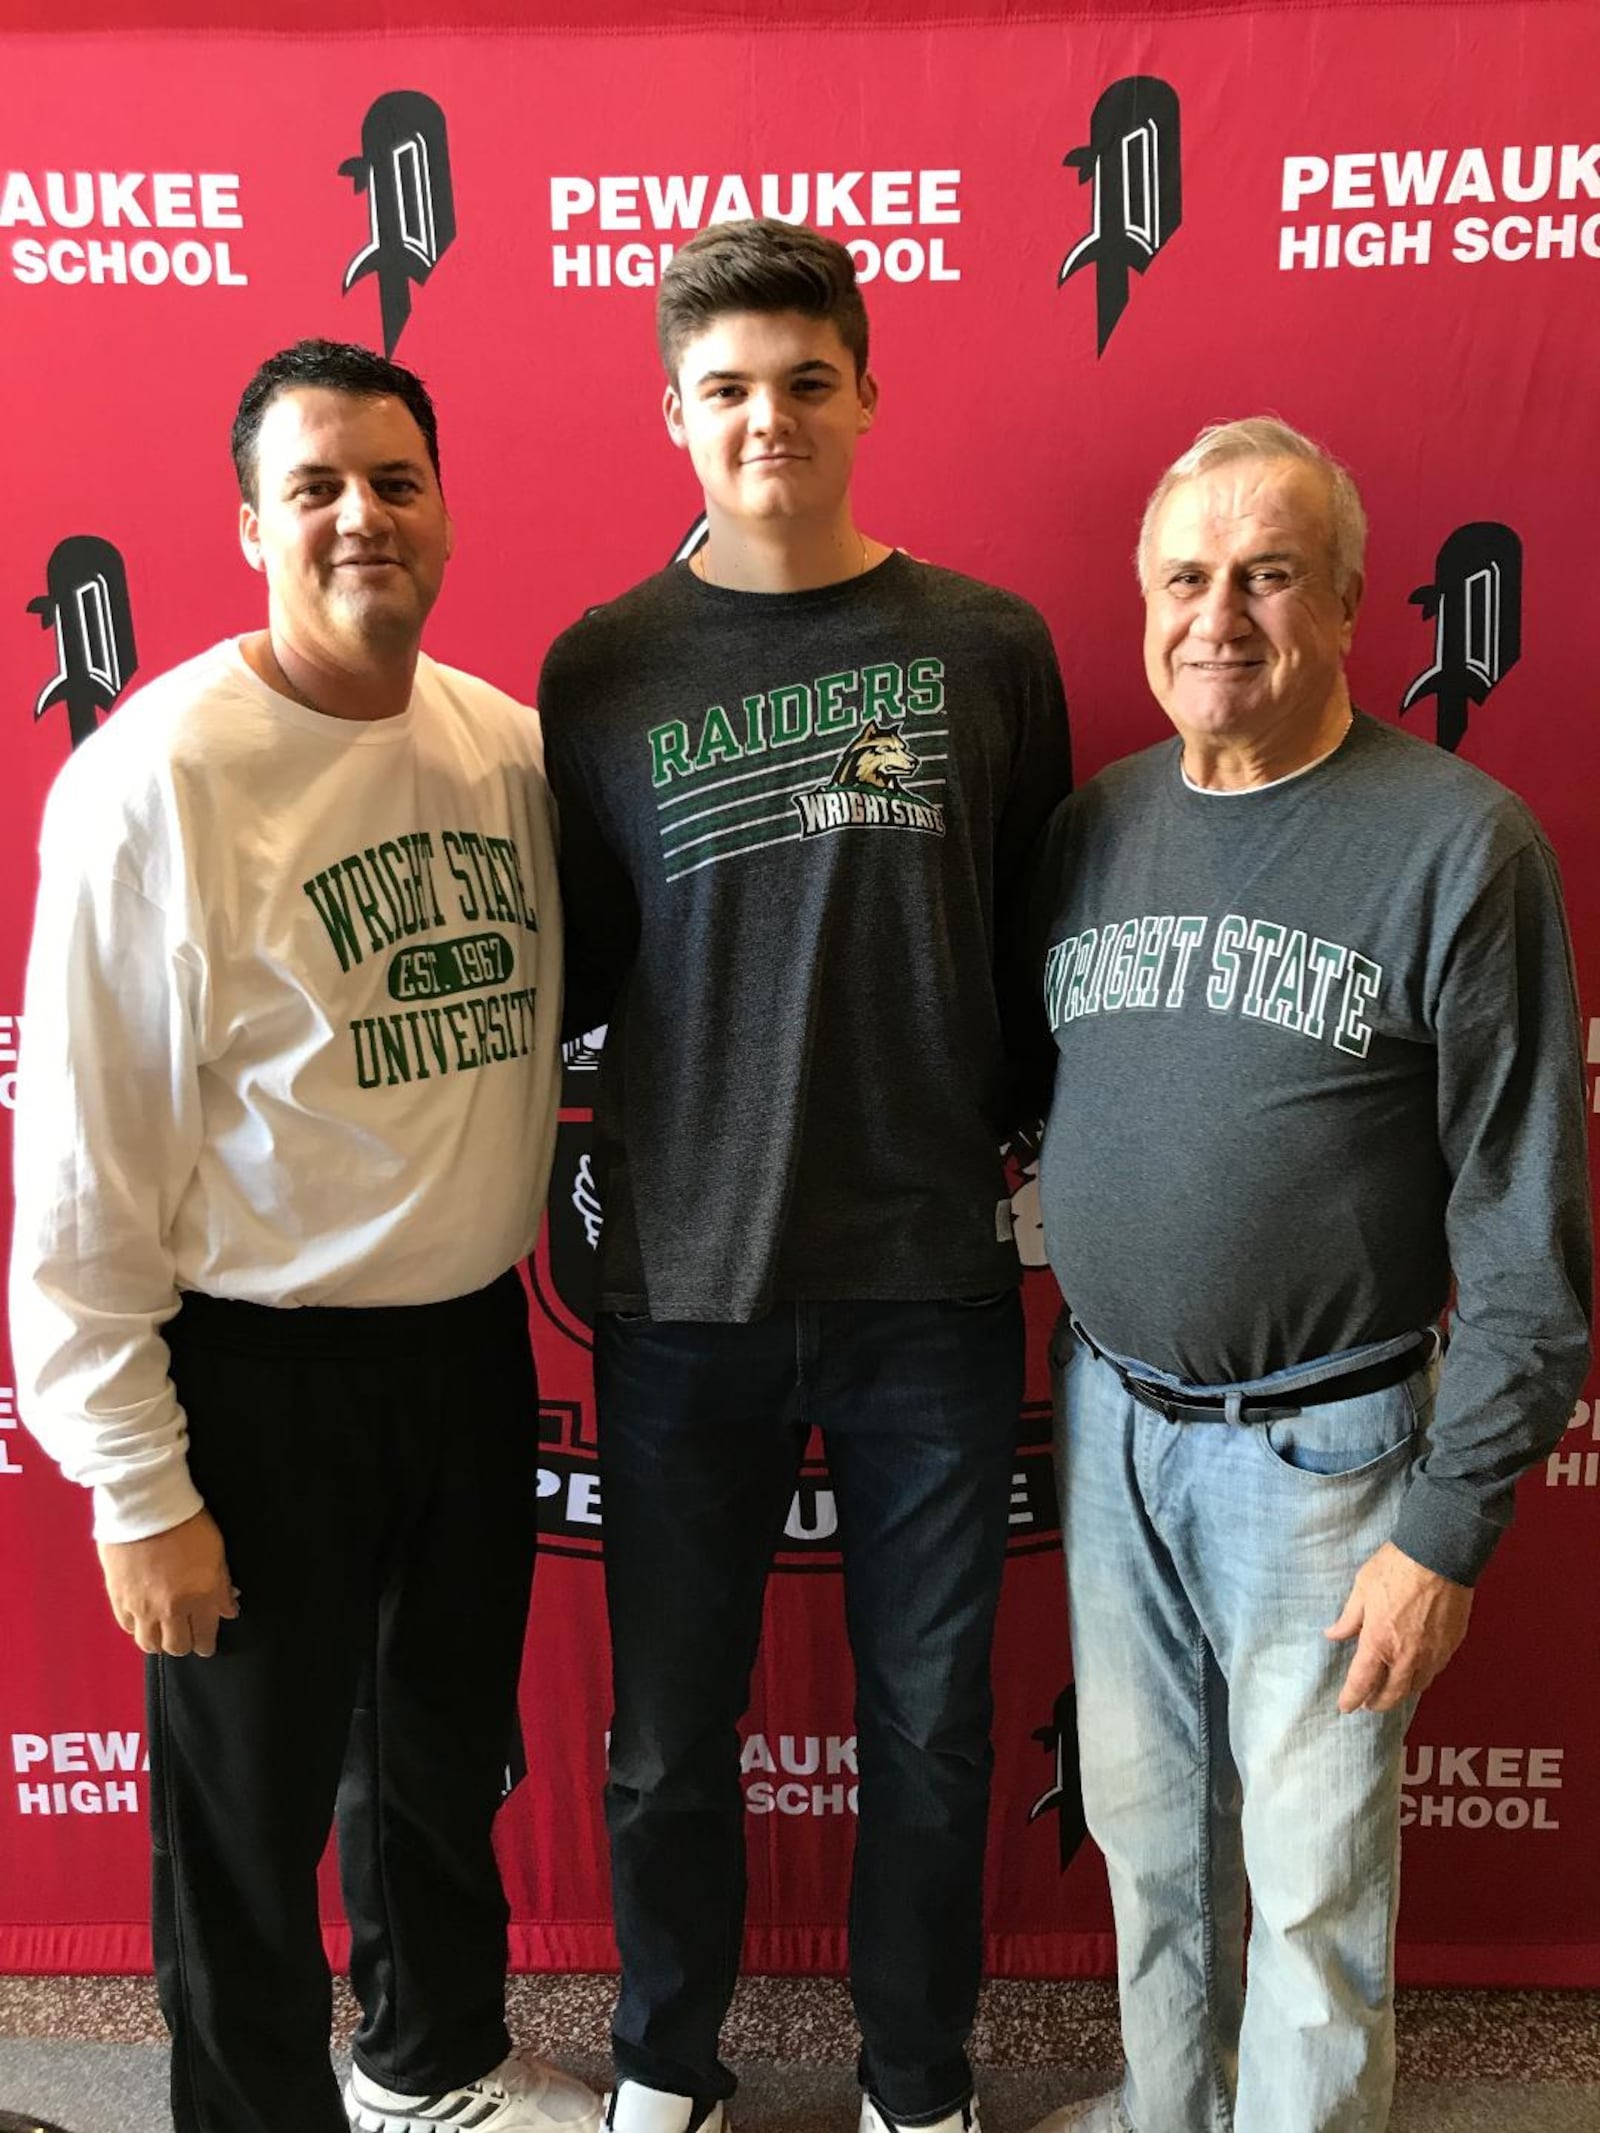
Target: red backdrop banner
(1082,237)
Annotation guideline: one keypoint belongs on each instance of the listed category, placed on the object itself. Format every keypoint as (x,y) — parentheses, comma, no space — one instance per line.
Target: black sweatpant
(373,1474)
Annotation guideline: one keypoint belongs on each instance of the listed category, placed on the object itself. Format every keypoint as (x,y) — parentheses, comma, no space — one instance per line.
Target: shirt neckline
(1290,777)
(841,590)
(351,732)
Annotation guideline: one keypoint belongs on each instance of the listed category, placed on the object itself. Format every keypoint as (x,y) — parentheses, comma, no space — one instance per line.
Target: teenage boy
(799,776)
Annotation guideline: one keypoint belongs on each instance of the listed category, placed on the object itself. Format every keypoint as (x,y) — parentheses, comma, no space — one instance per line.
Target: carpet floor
(85,2052)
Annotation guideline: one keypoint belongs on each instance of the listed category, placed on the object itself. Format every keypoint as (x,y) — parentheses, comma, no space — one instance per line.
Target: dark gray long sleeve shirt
(794,835)
(1318,1054)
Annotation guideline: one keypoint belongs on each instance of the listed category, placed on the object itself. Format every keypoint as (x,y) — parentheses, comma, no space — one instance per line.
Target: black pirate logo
(565,1259)
(1063,1796)
(404,170)
(86,602)
(1475,605)
(1133,160)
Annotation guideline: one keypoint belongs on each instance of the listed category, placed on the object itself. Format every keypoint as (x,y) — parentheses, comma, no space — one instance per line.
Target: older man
(287,1102)
(1313,999)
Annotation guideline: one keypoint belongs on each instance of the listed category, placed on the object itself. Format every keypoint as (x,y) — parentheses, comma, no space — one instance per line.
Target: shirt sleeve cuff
(144,1504)
(1442,1527)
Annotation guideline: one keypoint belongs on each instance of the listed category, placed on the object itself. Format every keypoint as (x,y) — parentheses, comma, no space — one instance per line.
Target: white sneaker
(633,2108)
(521,2095)
(963,2121)
(1091,2114)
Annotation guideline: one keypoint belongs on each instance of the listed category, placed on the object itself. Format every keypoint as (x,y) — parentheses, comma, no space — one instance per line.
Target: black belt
(1258,1407)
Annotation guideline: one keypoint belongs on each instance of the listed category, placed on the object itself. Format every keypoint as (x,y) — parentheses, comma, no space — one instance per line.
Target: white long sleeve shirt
(290,1036)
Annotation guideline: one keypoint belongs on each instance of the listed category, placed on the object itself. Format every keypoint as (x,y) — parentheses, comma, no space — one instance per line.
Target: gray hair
(1265,437)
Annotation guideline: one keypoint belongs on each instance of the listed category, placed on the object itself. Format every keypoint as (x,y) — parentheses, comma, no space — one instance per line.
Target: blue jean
(701,1433)
(1204,1561)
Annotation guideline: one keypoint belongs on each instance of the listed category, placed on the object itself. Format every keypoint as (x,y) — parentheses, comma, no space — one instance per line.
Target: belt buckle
(1151,1396)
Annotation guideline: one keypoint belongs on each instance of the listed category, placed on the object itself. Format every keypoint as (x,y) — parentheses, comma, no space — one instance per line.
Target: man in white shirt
(285,1117)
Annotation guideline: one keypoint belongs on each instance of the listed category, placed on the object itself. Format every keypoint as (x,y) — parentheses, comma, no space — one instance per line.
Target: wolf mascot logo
(875,761)
(868,789)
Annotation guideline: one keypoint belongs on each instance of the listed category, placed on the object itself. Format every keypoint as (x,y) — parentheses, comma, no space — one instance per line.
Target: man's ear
(867,394)
(1355,586)
(250,535)
(672,414)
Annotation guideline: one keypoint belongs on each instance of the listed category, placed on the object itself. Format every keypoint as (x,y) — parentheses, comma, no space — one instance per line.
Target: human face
(349,527)
(1245,635)
(769,408)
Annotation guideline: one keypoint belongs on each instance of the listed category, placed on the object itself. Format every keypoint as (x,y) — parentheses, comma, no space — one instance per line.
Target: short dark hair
(758,266)
(336,366)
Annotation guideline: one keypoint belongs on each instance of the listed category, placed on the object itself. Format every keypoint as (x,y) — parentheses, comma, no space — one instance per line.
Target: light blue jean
(1204,1561)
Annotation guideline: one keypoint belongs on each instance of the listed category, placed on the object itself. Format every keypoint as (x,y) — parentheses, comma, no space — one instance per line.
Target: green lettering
(1282,1003)
(332,906)
(472,845)
(394,1049)
(1265,938)
(420,847)
(369,1075)
(883,692)
(1186,938)
(1327,961)
(669,752)
(791,713)
(927,686)
(396,921)
(495,1014)
(1057,970)
(498,873)
(456,1015)
(1091,999)
(355,872)
(718,743)
(433,1023)
(1225,963)
(466,895)
(524,997)
(1119,972)
(416,1044)
(1077,991)
(1361,981)
(392,859)
(513,859)
(834,714)
(1154,933)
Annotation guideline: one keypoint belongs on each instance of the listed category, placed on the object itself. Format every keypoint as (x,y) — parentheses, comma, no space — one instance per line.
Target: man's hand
(168,1592)
(1409,1620)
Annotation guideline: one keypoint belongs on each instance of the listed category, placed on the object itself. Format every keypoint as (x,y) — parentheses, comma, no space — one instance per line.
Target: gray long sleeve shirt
(794,835)
(1319,1055)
